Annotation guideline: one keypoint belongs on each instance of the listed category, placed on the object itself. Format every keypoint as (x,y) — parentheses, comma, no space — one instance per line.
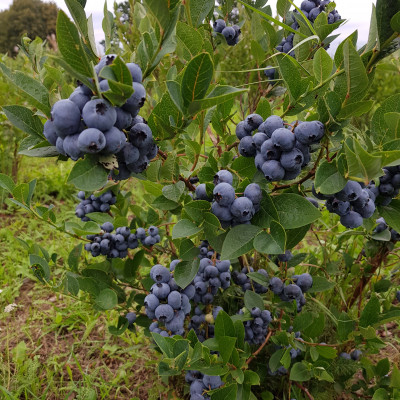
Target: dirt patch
(77,349)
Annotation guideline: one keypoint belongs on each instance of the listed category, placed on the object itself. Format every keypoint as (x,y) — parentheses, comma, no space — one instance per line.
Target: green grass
(52,346)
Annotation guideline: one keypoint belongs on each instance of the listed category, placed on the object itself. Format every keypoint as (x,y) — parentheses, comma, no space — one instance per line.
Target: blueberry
(368,210)
(292,160)
(307,5)
(223,176)
(137,100)
(99,114)
(105,60)
(71,147)
(340,207)
(107,227)
(201,193)
(201,287)
(197,387)
(273,170)
(242,130)
(115,141)
(141,136)
(355,355)
(346,356)
(270,73)
(255,312)
(309,132)
(242,208)
(150,241)
(276,285)
(66,117)
(104,86)
(253,192)
(49,132)
(266,316)
(362,200)
(313,14)
(135,71)
(141,233)
(269,151)
(175,300)
(164,313)
(212,382)
(292,292)
(189,291)
(385,189)
(270,125)
(253,121)
(396,181)
(283,139)
(259,138)
(351,192)
(210,272)
(60,146)
(304,282)
(130,153)
(131,317)
(219,25)
(224,194)
(287,47)
(124,119)
(153,231)
(247,147)
(221,212)
(287,256)
(351,220)
(161,290)
(229,34)
(91,140)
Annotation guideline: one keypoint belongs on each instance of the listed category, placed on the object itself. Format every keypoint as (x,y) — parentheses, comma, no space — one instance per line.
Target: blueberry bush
(247,220)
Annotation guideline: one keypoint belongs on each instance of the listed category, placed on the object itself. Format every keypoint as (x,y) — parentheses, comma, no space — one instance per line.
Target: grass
(52,346)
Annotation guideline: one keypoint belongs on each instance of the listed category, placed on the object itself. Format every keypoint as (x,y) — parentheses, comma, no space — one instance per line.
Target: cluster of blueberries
(382,226)
(211,276)
(256,329)
(92,203)
(293,291)
(355,355)
(203,324)
(294,353)
(81,125)
(311,9)
(353,203)
(389,185)
(167,302)
(279,153)
(229,210)
(231,33)
(200,383)
(241,279)
(116,245)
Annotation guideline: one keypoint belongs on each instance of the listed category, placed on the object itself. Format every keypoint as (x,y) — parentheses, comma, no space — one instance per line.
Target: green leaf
(160,11)
(174,192)
(356,75)
(290,69)
(190,41)
(88,175)
(228,392)
(121,327)
(166,345)
(70,46)
(220,94)
(74,256)
(383,367)
(380,394)
(320,284)
(355,109)
(226,346)
(196,210)
(78,14)
(323,65)
(273,242)
(185,229)
(395,378)
(373,31)
(345,326)
(382,286)
(381,131)
(6,183)
(107,25)
(196,78)
(185,272)
(31,89)
(370,313)
(252,299)
(23,118)
(391,213)
(392,120)
(385,10)
(283,6)
(295,236)
(199,9)
(299,373)
(245,167)
(224,326)
(40,267)
(295,211)
(395,22)
(72,284)
(238,241)
(327,352)
(187,250)
(328,179)
(106,299)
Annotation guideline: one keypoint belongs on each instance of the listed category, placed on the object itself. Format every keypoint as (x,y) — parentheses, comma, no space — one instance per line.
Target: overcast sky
(357,12)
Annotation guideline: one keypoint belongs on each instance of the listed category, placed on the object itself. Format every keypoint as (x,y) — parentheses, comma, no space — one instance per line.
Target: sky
(356,12)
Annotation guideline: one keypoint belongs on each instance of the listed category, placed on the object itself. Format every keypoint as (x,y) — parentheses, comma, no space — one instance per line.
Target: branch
(255,354)
(305,390)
